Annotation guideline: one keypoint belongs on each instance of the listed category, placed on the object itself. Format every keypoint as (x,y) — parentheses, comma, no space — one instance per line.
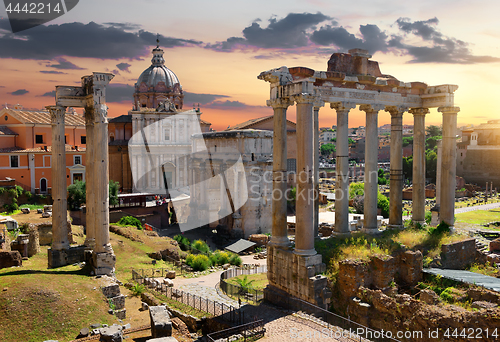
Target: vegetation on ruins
(356,193)
(127,221)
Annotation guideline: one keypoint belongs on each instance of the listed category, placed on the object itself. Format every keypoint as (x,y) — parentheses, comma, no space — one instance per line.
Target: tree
(434,131)
(77,194)
(327,149)
(407,141)
(408,167)
(431,142)
(431,165)
(381,177)
(351,141)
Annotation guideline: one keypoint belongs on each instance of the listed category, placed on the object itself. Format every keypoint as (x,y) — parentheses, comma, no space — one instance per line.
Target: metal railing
(252,329)
(246,294)
(226,312)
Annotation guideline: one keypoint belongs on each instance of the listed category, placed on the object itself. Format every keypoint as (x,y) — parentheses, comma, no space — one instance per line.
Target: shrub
(130,221)
(441,229)
(428,217)
(183,242)
(189,259)
(201,246)
(200,262)
(76,195)
(383,204)
(138,289)
(235,260)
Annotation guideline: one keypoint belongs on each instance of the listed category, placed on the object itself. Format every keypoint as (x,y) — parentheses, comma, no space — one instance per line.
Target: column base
(103,264)
(395,226)
(280,241)
(305,252)
(341,234)
(63,257)
(422,223)
(371,231)
(89,243)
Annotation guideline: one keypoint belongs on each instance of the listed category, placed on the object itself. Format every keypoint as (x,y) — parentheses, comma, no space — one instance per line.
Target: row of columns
(308,176)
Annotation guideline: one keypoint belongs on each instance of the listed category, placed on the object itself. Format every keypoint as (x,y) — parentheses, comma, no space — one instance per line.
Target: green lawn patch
(259,280)
(479,216)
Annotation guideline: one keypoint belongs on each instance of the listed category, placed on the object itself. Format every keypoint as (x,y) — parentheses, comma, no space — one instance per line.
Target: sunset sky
(217,48)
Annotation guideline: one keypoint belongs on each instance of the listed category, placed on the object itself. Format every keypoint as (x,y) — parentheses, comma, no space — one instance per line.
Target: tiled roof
(252,122)
(16,149)
(42,117)
(203,122)
(4,130)
(121,119)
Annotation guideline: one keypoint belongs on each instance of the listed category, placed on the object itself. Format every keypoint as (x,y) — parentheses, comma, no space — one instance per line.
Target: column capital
(343,106)
(279,103)
(304,98)
(318,103)
(419,111)
(396,110)
(56,114)
(449,110)
(370,108)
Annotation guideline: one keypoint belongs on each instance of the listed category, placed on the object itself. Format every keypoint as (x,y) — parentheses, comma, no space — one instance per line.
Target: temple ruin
(351,80)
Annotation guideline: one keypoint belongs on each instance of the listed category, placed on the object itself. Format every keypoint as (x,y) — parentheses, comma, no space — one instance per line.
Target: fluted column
(396,173)
(59,188)
(342,167)
(371,167)
(304,230)
(448,164)
(317,105)
(89,181)
(418,189)
(279,235)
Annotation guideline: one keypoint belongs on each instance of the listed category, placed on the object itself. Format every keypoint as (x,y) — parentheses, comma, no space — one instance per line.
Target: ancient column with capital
(60,240)
(371,167)
(279,235)
(448,164)
(304,204)
(418,188)
(316,106)
(396,173)
(342,167)
(89,181)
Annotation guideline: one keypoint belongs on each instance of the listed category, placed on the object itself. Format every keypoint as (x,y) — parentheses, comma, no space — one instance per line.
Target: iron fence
(252,329)
(223,311)
(245,293)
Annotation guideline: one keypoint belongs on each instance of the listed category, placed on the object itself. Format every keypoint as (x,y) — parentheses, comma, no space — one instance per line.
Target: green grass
(479,216)
(181,307)
(259,280)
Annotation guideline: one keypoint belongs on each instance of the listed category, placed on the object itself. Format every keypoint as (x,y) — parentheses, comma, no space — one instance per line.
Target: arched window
(43,185)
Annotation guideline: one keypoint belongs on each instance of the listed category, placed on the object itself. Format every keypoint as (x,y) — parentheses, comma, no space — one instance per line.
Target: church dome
(158,84)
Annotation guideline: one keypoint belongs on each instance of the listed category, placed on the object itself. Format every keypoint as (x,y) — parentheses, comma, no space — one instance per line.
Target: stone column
(279,230)
(396,173)
(371,167)
(448,164)
(342,167)
(59,188)
(317,106)
(304,230)
(89,181)
(418,189)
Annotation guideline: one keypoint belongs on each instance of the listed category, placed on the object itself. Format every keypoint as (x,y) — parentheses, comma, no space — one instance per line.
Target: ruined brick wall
(410,265)
(481,166)
(458,255)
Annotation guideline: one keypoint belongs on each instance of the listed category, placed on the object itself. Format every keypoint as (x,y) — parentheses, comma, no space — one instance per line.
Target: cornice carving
(279,103)
(342,106)
(371,108)
(304,98)
(449,110)
(396,110)
(57,114)
(419,111)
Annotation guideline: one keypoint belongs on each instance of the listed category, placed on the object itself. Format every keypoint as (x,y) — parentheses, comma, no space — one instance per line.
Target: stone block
(111,291)
(25,210)
(47,214)
(118,301)
(112,334)
(410,267)
(483,305)
(429,297)
(168,282)
(163,339)
(103,263)
(39,211)
(495,245)
(459,254)
(351,277)
(259,239)
(161,326)
(72,255)
(144,306)
(170,275)
(121,314)
(9,259)
(47,208)
(383,269)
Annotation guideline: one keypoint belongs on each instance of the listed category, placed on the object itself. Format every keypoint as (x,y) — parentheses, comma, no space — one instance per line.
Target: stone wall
(458,255)
(9,259)
(481,166)
(45,233)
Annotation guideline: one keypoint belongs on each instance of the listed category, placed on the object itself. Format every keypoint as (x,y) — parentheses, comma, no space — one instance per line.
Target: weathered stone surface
(84,332)
(163,339)
(112,334)
(168,282)
(149,299)
(383,269)
(47,214)
(111,291)
(73,254)
(170,275)
(9,259)
(429,297)
(103,263)
(25,210)
(483,305)
(352,276)
(410,267)
(144,306)
(459,254)
(259,239)
(161,326)
(121,314)
(34,241)
(495,245)
(118,302)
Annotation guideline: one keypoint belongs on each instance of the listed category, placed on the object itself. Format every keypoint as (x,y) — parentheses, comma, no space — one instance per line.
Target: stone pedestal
(63,257)
(296,275)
